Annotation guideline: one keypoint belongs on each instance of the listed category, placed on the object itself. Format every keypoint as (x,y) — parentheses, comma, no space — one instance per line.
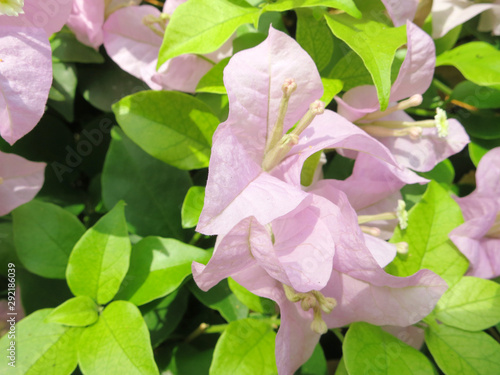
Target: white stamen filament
(415,132)
(157,24)
(11,8)
(289,86)
(402,247)
(362,219)
(413,101)
(372,231)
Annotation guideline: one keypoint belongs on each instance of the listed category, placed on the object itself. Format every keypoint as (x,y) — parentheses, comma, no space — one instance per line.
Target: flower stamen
(11,8)
(413,101)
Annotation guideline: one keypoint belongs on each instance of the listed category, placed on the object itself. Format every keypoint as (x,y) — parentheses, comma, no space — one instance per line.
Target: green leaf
(105,84)
(190,360)
(44,235)
(473,304)
(461,352)
(157,267)
(192,206)
(245,347)
(369,349)
(341,370)
(7,248)
(77,312)
(40,347)
(332,87)
(66,48)
(173,127)
(151,188)
(429,223)
(117,344)
(442,172)
(447,41)
(213,81)
(248,40)
(316,365)
(477,61)
(482,124)
(201,27)
(252,301)
(163,315)
(62,92)
(314,36)
(309,169)
(479,147)
(376,44)
(347,6)
(221,298)
(100,259)
(477,96)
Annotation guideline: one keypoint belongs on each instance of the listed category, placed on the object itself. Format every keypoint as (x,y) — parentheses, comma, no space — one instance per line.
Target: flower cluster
(307,248)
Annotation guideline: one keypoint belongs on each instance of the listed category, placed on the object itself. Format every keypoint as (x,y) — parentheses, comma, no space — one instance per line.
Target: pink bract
(479,237)
(20,181)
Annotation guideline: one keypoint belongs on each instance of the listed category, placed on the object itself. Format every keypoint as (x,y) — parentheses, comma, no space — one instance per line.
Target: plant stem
(338,333)
(442,87)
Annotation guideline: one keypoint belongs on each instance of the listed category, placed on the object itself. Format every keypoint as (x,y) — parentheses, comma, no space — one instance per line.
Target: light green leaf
(473,304)
(252,301)
(213,81)
(309,169)
(369,349)
(479,147)
(173,127)
(347,6)
(66,48)
(151,188)
(100,259)
(442,172)
(341,370)
(245,347)
(332,87)
(315,37)
(376,44)
(44,235)
(248,40)
(117,344)
(477,61)
(461,352)
(157,267)
(192,206)
(201,27)
(221,298)
(429,223)
(40,347)
(76,312)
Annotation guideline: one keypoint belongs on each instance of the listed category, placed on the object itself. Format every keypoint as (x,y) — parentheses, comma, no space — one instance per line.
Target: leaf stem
(442,87)
(338,333)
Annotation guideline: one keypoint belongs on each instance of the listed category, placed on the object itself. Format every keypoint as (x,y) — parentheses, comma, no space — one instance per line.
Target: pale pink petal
(448,14)
(327,131)
(50,15)
(401,10)
(417,71)
(254,97)
(383,251)
(86,21)
(358,102)
(488,174)
(20,181)
(25,64)
(171,5)
(130,43)
(237,188)
(423,154)
(482,252)
(490,20)
(302,258)
(181,73)
(233,253)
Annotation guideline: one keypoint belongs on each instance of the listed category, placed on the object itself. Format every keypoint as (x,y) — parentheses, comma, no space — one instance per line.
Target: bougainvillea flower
(133,37)
(358,288)
(41,14)
(25,50)
(87,18)
(448,14)
(479,237)
(401,10)
(418,145)
(246,168)
(20,181)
